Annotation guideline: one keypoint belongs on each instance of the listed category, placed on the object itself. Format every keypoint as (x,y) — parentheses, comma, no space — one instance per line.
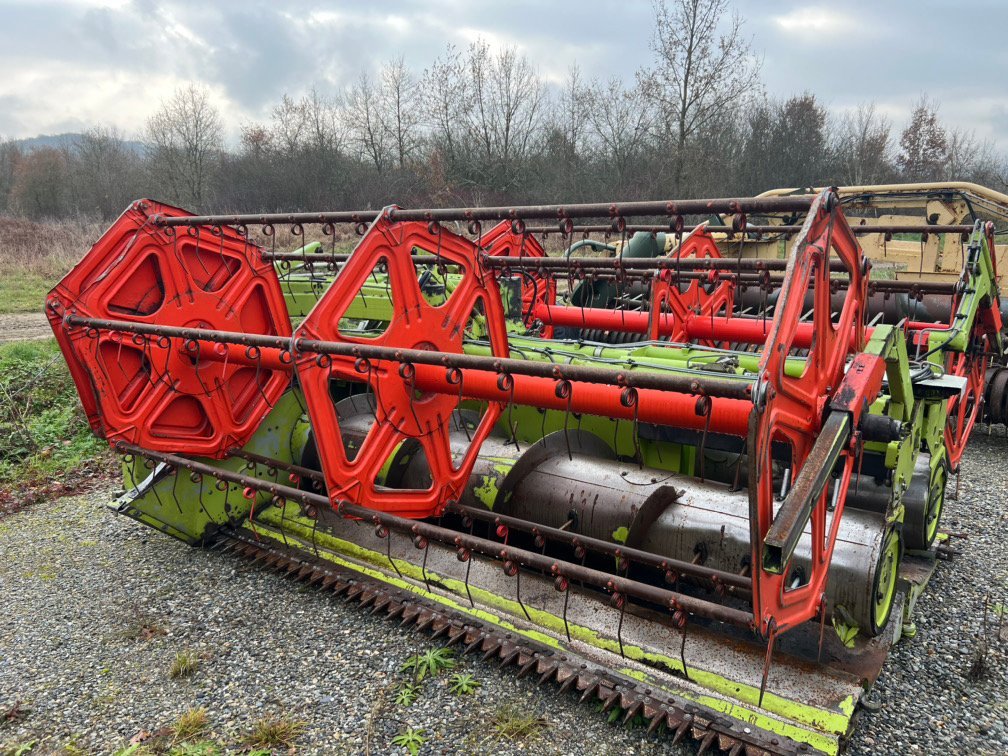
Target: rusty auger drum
(657,469)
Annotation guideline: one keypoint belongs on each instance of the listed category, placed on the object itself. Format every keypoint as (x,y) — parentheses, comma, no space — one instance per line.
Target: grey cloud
(254,51)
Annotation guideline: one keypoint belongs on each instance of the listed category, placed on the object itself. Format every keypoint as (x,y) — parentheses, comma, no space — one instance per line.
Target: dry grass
(45,249)
(34,256)
(514,724)
(141,626)
(191,723)
(275,732)
(184,664)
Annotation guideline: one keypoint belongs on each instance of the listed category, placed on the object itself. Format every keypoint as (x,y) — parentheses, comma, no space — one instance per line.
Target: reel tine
(223,270)
(386,533)
(119,364)
(258,373)
(423,567)
(313,530)
(566,625)
(738,466)
(174,492)
(129,469)
(512,426)
(570,393)
(518,593)
(682,650)
(199,479)
(250,494)
(282,503)
(469,592)
(410,370)
(196,369)
(704,409)
(767,662)
(153,490)
(199,257)
(619,628)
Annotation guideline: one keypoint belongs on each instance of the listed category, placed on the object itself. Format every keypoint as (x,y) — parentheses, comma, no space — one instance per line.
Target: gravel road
(23,326)
(94,608)
(929,702)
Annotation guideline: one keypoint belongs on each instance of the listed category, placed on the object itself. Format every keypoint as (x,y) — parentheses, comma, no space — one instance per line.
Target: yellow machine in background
(937,257)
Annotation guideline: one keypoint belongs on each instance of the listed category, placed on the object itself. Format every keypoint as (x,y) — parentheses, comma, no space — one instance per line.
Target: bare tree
(400,112)
(184,140)
(40,181)
(256,140)
(923,143)
(324,128)
(699,71)
(508,107)
(367,129)
(313,122)
(572,111)
(621,124)
(864,146)
(10,154)
(446,85)
(970,159)
(288,119)
(105,172)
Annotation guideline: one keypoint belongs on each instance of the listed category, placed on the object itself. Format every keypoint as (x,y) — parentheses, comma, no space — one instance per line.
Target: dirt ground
(24,326)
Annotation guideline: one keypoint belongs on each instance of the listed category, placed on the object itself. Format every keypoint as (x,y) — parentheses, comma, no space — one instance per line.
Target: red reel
(402,412)
(701,298)
(964,409)
(502,241)
(154,391)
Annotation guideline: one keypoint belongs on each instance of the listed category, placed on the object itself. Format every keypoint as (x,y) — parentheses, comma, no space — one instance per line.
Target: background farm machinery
(676,478)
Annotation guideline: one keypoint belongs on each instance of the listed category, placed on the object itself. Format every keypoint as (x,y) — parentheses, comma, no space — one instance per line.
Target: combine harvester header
(674,480)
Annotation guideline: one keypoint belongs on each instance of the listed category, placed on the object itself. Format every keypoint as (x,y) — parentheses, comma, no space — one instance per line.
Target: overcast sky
(69,64)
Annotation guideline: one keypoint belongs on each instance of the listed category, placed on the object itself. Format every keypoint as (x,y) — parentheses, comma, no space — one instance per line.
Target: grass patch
(44,435)
(190,724)
(183,665)
(23,292)
(19,749)
(274,732)
(34,256)
(514,724)
(42,572)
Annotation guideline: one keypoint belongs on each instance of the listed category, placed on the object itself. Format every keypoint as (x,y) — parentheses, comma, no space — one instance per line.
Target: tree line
(480,125)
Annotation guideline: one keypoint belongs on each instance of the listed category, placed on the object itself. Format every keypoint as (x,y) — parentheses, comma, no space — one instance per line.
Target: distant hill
(65,140)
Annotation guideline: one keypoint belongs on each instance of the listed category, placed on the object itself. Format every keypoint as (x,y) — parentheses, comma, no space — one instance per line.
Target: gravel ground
(24,326)
(929,703)
(94,609)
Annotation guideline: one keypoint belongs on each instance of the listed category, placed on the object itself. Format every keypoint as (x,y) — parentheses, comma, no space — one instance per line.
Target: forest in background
(480,125)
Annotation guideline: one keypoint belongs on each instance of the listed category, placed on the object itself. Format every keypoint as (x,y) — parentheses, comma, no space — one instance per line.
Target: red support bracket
(791,410)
